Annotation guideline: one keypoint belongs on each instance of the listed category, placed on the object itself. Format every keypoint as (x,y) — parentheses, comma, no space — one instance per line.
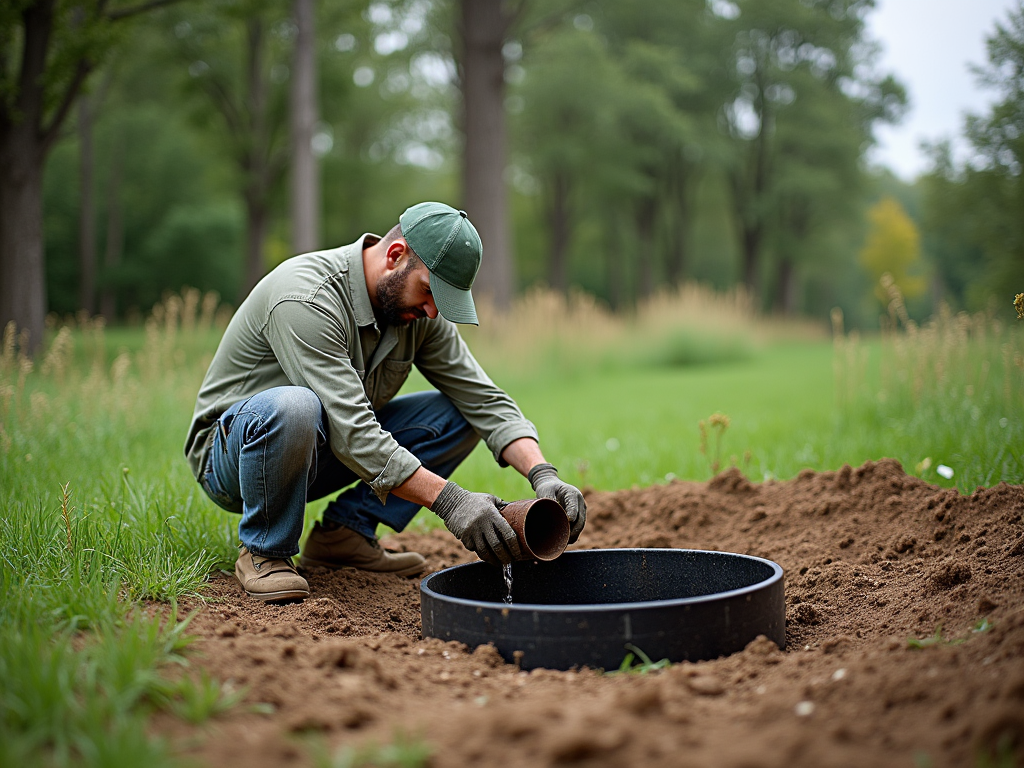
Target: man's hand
(547,485)
(474,518)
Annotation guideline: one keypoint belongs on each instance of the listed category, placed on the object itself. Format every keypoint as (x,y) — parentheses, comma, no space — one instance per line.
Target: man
(299,402)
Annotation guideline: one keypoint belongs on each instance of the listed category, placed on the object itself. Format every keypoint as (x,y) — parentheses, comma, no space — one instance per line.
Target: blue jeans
(271,454)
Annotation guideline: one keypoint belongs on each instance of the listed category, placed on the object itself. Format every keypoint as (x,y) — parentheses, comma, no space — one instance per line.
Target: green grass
(636,662)
(98,509)
(624,426)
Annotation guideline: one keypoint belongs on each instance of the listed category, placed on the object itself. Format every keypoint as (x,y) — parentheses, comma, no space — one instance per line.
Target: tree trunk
(256,164)
(485,24)
(751,242)
(255,236)
(86,210)
(645,217)
(305,188)
(115,235)
(679,226)
(23,145)
(785,288)
(750,190)
(558,272)
(22,264)
(615,272)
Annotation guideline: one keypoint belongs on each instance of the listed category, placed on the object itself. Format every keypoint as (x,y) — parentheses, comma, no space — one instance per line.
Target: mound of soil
(874,560)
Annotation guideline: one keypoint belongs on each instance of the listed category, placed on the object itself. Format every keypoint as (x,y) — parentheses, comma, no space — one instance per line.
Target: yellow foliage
(893,246)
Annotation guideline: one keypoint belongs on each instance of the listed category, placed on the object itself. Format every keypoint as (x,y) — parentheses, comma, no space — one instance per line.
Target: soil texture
(904,645)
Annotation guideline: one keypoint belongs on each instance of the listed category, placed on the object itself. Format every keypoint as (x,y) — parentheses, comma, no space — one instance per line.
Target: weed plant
(636,662)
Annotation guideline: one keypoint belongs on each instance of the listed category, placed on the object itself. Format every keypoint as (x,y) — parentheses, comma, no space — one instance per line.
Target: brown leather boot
(269,579)
(342,547)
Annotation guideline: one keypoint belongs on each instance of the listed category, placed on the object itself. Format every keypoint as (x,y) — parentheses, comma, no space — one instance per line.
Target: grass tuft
(636,662)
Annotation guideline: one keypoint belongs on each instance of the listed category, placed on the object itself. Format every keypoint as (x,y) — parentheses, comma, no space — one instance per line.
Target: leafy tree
(227,53)
(672,55)
(47,50)
(617,124)
(893,247)
(974,229)
(164,217)
(576,151)
(786,53)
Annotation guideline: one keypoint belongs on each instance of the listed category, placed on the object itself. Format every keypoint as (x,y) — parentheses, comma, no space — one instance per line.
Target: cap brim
(454,304)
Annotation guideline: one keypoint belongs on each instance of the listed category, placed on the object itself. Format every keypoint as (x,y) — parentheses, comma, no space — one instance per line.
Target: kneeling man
(299,402)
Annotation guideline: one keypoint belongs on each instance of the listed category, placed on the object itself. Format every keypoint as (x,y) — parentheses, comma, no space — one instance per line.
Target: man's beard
(389,296)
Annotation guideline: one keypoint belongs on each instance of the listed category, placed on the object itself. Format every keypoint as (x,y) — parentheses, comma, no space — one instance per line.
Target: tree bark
(785,288)
(86,209)
(485,25)
(255,163)
(679,225)
(750,188)
(305,187)
(115,235)
(558,217)
(255,236)
(22,263)
(645,218)
(751,242)
(614,263)
(23,145)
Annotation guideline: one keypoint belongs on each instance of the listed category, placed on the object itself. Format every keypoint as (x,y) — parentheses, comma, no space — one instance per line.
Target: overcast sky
(929,45)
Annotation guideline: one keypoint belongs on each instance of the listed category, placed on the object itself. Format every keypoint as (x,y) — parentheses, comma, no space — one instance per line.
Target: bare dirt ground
(872,558)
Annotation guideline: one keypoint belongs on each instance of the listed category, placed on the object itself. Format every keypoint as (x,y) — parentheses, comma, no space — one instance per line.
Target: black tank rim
(777,576)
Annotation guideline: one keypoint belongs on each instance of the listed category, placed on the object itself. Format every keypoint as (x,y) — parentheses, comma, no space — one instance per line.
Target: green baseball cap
(448,243)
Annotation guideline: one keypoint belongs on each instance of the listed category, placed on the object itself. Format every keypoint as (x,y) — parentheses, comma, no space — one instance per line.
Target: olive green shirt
(309,323)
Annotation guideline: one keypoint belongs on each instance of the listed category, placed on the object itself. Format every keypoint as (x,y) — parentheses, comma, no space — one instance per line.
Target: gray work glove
(547,485)
(474,518)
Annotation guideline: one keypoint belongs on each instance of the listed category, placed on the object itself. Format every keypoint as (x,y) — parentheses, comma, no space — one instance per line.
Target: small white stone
(946,472)
(421,651)
(805,708)
(839,674)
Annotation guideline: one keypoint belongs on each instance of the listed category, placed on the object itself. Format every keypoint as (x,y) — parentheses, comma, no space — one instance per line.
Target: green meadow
(101,517)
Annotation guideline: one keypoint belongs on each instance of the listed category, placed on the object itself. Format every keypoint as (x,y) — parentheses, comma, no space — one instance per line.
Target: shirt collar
(357,281)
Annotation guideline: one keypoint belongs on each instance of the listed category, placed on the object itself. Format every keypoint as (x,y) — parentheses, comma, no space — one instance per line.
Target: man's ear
(395,252)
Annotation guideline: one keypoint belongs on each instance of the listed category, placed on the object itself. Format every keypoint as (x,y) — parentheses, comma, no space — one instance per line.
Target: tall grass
(97,515)
(948,393)
(685,326)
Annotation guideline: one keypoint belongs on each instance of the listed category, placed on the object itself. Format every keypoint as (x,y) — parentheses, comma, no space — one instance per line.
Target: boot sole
(282,596)
(411,570)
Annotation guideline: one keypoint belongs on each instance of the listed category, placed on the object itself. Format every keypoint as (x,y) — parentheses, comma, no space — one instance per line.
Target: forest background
(615,148)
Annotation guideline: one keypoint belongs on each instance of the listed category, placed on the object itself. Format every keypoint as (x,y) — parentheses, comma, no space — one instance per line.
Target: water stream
(507,572)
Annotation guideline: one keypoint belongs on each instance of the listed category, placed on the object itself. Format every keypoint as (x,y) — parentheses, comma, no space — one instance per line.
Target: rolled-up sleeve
(446,362)
(312,349)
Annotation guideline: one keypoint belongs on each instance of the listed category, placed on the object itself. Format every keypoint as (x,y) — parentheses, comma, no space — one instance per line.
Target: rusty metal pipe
(541,526)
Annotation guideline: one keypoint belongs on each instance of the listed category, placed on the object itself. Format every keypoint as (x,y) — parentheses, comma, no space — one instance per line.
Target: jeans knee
(296,412)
